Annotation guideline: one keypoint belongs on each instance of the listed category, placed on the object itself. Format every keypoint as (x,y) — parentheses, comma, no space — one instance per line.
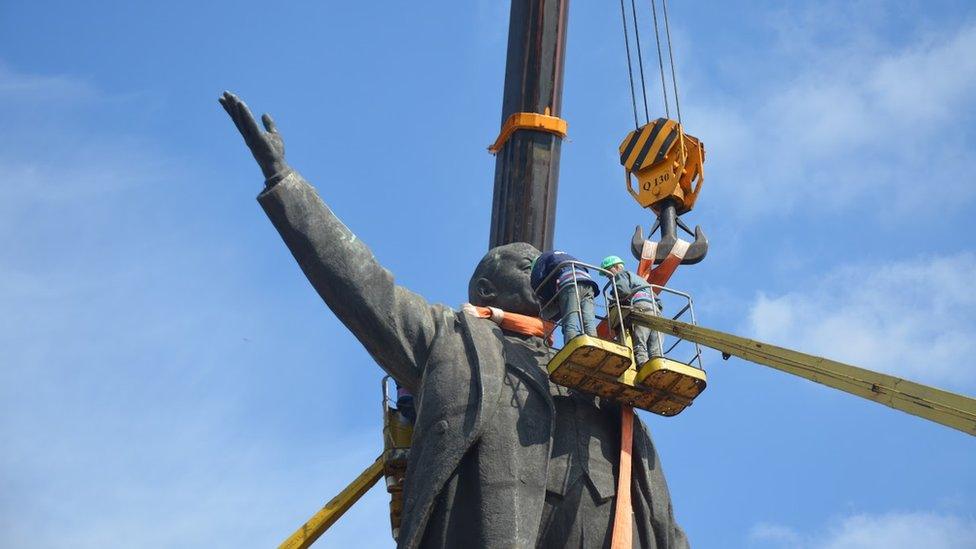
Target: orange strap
(623,521)
(528,121)
(662,273)
(513,322)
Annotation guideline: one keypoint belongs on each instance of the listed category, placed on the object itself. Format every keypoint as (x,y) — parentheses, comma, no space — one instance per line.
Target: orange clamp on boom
(529,121)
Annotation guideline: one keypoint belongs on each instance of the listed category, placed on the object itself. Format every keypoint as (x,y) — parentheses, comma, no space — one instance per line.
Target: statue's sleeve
(395,325)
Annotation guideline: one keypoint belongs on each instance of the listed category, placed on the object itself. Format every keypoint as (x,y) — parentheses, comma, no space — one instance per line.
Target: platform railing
(550,310)
(672,344)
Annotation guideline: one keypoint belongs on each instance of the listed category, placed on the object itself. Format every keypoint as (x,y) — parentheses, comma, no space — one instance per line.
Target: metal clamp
(529,121)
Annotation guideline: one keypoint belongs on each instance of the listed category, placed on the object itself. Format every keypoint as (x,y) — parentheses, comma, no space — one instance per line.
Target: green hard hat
(610,261)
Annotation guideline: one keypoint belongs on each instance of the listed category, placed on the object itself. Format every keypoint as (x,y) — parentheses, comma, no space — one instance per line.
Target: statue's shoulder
(482,331)
(478,323)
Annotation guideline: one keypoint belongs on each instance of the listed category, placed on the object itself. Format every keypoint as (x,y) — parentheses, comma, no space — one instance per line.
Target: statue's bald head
(501,279)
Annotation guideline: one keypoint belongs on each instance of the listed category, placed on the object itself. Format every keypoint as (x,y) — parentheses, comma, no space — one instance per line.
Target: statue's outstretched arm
(394,324)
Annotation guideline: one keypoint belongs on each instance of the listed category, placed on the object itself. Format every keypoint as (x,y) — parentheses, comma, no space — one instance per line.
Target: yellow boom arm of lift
(949,409)
(306,535)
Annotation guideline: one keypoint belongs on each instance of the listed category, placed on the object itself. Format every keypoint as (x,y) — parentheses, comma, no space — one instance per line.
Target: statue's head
(501,279)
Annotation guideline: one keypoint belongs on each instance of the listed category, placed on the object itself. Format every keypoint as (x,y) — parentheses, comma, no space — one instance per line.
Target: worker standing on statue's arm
(574,292)
(633,290)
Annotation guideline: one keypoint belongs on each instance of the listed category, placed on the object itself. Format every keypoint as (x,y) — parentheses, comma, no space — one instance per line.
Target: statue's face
(502,279)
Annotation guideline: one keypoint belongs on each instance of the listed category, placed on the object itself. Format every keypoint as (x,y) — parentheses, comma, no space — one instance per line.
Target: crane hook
(668,221)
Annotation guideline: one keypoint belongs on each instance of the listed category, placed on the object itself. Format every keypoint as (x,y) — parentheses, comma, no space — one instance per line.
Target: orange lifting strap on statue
(513,322)
(529,121)
(623,522)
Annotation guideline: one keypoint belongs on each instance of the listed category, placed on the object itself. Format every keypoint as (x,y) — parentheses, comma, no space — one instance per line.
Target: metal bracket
(529,121)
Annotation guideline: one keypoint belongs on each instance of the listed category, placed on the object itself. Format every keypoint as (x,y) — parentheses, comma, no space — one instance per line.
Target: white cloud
(912,318)
(775,534)
(875,531)
(40,89)
(54,158)
(850,122)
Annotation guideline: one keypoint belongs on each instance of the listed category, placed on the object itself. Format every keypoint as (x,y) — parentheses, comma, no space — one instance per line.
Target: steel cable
(674,79)
(630,69)
(660,60)
(640,59)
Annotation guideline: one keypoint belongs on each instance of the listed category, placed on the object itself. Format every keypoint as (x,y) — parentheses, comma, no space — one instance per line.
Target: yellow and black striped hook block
(667,163)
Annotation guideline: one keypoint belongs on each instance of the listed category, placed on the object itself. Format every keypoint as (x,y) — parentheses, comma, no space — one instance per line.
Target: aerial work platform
(604,366)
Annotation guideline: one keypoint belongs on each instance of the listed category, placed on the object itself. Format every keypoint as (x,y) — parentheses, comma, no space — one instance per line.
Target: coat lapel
(527,364)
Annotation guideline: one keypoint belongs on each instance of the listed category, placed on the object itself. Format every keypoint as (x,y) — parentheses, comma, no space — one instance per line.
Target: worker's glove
(267,146)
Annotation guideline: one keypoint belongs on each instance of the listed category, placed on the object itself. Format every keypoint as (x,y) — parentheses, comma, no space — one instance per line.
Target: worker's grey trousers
(576,305)
(647,342)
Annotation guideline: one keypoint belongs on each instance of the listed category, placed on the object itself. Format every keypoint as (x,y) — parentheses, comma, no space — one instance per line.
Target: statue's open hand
(266,146)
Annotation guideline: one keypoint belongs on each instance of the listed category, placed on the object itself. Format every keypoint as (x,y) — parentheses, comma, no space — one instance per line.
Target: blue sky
(169,379)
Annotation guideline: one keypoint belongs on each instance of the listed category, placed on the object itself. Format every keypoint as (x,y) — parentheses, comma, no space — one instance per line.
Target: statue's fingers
(231,98)
(249,127)
(231,111)
(269,123)
(230,102)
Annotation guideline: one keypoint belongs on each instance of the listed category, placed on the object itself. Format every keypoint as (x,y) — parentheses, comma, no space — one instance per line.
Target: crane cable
(674,79)
(640,59)
(660,59)
(630,69)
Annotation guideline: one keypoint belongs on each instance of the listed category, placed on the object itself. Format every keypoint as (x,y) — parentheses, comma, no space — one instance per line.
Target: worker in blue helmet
(566,293)
(634,291)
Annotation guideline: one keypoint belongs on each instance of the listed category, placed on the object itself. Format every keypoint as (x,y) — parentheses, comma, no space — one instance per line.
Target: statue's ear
(486,291)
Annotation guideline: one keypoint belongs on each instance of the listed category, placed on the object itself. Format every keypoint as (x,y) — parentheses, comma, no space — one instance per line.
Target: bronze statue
(501,457)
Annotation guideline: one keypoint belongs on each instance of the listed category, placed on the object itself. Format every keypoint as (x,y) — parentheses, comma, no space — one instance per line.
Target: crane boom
(949,409)
(527,161)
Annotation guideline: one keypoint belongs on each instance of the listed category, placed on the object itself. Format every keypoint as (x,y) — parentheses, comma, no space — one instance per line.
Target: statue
(501,457)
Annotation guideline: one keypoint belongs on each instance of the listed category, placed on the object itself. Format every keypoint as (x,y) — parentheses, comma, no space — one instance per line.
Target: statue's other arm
(395,325)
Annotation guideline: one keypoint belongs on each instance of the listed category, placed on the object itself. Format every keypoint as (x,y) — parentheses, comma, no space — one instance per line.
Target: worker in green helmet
(633,290)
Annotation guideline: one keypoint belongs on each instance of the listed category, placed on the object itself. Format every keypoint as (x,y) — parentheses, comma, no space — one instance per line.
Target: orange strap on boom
(528,121)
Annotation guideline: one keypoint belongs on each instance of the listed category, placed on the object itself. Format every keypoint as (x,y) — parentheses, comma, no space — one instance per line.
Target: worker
(405,404)
(633,290)
(571,290)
